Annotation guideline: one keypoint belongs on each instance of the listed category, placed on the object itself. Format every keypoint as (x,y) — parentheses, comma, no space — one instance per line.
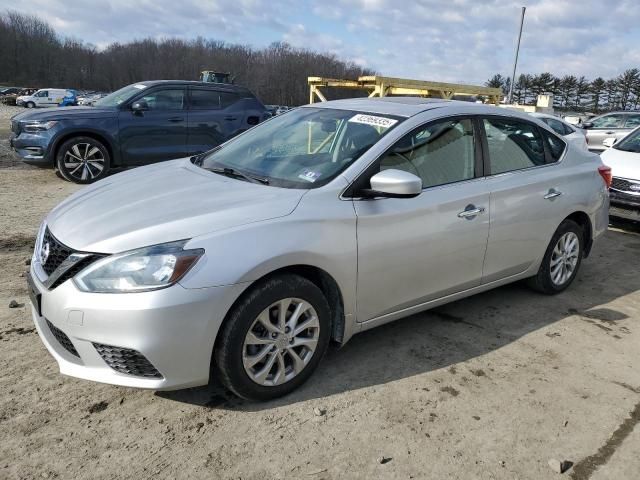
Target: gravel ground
(491,387)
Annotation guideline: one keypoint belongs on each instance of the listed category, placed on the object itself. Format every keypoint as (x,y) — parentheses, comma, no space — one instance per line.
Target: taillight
(605,173)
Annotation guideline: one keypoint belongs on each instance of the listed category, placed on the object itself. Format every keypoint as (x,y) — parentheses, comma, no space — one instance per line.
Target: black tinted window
(205,99)
(440,153)
(513,145)
(555,125)
(555,145)
(228,98)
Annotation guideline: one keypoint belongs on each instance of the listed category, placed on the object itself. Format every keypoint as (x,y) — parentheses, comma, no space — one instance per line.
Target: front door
(157,133)
(411,251)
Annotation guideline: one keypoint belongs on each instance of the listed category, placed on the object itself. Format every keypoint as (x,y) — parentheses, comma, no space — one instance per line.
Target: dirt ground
(491,387)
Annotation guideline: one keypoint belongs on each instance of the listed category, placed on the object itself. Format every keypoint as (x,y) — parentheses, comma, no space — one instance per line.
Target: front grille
(58,252)
(62,339)
(125,360)
(624,185)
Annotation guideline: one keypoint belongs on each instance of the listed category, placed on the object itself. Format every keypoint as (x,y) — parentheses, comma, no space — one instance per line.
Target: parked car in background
(47,97)
(624,159)
(142,123)
(91,99)
(571,133)
(10,91)
(615,124)
(243,263)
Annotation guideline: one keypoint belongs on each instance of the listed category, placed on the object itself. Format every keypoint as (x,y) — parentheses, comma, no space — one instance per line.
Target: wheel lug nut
(274,335)
(286,330)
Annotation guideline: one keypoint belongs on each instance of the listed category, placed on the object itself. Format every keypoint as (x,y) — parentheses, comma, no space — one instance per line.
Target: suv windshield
(631,143)
(305,148)
(116,98)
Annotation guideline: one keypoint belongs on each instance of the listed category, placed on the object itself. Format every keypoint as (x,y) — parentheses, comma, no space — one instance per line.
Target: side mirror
(139,106)
(587,125)
(608,142)
(394,184)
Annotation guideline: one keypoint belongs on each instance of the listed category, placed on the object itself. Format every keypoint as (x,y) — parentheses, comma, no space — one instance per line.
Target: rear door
(159,133)
(528,194)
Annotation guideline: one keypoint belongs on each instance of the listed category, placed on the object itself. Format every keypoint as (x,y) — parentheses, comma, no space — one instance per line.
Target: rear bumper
(173,329)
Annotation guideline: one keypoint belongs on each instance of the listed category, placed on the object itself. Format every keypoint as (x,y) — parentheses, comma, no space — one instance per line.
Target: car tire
(234,351)
(561,260)
(83,160)
(29,105)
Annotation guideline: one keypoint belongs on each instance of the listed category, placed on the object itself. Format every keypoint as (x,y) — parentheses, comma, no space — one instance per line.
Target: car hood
(62,113)
(623,164)
(162,203)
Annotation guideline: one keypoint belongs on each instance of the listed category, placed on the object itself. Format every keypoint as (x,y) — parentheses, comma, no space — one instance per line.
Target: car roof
(195,83)
(410,106)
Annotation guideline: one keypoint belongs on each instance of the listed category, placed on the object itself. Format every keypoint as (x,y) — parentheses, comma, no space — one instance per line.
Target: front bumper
(32,148)
(174,329)
(624,205)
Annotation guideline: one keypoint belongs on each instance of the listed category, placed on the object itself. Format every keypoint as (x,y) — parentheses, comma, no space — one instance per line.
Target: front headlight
(33,126)
(148,268)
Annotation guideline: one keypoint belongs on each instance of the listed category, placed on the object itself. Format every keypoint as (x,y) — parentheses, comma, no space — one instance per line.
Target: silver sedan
(242,264)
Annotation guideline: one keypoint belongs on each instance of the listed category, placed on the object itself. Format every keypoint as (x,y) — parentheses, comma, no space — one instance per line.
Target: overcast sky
(452,40)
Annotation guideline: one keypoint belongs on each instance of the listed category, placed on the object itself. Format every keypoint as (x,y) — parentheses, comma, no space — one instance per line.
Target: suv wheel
(561,260)
(82,160)
(273,339)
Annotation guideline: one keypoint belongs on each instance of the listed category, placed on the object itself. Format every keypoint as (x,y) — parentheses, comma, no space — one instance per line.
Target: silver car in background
(243,263)
(615,124)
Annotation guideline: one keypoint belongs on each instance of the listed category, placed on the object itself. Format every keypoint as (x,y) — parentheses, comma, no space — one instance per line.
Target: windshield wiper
(234,173)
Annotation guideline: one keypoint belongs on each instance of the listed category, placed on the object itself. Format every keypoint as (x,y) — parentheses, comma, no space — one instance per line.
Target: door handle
(471,211)
(610,133)
(176,119)
(229,118)
(553,193)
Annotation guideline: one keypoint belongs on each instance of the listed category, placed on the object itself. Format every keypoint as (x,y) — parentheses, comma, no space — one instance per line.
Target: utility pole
(515,60)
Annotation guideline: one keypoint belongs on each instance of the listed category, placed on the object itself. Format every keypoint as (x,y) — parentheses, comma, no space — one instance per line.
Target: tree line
(32,54)
(575,93)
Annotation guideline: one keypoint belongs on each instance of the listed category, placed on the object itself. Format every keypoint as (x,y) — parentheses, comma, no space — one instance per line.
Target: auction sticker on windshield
(373,120)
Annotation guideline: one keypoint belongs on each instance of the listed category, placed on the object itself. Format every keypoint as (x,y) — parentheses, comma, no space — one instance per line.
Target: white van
(45,97)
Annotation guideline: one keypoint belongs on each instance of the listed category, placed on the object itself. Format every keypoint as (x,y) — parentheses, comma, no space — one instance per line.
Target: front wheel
(30,105)
(561,260)
(82,160)
(273,339)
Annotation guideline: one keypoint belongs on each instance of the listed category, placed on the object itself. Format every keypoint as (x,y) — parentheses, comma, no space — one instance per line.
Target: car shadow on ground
(460,331)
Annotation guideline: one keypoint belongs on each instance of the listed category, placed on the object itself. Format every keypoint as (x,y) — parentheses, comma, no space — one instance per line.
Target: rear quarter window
(555,145)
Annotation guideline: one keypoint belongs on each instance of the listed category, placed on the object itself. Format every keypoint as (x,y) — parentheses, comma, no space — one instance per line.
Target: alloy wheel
(83,161)
(281,342)
(564,258)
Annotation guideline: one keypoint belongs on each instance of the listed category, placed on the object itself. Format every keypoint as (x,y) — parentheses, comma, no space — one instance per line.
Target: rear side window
(205,99)
(632,121)
(555,125)
(608,121)
(555,145)
(228,98)
(513,145)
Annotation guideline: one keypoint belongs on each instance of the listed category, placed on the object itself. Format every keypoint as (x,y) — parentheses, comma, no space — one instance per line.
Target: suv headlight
(33,126)
(144,269)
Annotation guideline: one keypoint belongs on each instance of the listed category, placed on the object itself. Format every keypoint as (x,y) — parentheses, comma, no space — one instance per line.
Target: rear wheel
(273,339)
(83,160)
(561,260)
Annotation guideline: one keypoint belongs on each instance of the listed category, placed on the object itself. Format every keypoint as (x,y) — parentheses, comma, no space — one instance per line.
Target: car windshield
(116,98)
(630,143)
(304,148)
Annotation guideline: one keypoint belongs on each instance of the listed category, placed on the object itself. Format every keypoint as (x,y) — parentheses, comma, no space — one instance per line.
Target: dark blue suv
(139,124)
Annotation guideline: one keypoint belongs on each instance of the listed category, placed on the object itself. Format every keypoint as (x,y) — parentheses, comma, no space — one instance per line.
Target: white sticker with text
(309,176)
(373,120)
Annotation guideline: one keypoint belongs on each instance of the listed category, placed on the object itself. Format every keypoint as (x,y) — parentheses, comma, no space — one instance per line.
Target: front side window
(440,153)
(42,94)
(168,99)
(608,121)
(304,148)
(513,145)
